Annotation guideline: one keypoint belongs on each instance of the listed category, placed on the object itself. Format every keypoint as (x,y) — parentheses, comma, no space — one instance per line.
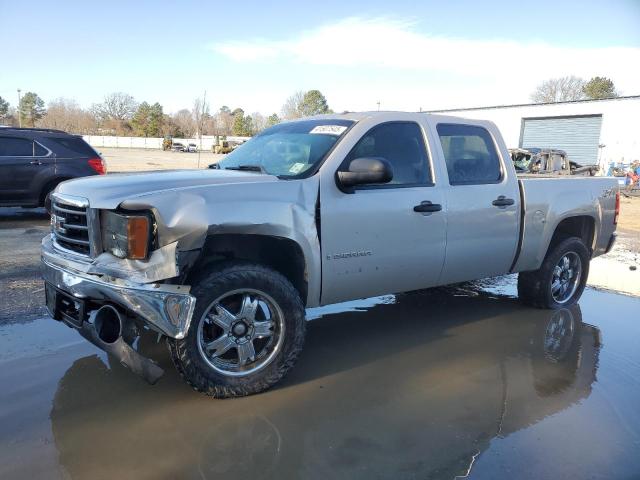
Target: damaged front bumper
(163,307)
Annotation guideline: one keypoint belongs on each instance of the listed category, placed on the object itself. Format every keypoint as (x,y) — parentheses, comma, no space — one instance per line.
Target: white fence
(153,143)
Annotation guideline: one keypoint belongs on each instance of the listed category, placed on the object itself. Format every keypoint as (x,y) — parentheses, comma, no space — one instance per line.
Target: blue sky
(405,54)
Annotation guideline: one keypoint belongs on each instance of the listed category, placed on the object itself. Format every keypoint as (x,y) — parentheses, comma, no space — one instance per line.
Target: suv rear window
(75,145)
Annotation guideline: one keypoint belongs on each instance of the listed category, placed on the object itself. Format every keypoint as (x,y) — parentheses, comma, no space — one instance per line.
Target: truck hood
(109,191)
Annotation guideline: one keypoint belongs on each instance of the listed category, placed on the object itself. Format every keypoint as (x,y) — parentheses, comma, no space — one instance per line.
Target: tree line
(573,88)
(120,114)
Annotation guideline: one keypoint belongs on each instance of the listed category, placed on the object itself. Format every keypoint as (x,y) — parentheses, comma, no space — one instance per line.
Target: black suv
(33,161)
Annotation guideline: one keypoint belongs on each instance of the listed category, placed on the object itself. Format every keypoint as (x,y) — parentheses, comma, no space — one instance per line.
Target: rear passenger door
(483,204)
(23,164)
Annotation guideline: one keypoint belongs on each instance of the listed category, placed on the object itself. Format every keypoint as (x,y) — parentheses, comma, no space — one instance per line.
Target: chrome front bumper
(166,308)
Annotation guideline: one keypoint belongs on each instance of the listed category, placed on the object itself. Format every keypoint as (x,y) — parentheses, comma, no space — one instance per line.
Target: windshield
(288,149)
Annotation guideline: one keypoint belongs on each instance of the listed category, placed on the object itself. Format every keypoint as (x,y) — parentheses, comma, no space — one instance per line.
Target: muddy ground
(446,383)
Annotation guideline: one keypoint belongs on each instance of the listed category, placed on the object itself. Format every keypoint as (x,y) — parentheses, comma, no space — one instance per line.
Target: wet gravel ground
(457,382)
(21,288)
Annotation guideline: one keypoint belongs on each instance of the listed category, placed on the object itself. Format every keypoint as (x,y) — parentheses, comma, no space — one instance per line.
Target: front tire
(247,331)
(560,280)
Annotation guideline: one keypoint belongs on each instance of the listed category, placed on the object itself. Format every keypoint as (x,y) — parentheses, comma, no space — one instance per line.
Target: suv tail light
(615,217)
(98,165)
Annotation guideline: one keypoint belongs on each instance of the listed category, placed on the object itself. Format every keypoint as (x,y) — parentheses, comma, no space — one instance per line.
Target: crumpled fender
(283,208)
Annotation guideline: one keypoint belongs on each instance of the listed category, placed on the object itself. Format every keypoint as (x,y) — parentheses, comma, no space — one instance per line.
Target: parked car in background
(178,147)
(34,161)
(192,147)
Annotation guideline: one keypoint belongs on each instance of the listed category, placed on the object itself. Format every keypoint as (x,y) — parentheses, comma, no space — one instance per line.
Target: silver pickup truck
(223,262)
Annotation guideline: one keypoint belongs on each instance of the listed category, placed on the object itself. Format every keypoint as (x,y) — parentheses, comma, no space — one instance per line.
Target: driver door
(377,240)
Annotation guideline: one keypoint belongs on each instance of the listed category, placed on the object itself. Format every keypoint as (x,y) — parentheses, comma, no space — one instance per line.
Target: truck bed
(548,199)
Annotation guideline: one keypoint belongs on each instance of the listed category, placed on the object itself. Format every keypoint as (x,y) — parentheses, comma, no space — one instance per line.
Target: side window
(75,145)
(39,150)
(470,154)
(402,145)
(15,147)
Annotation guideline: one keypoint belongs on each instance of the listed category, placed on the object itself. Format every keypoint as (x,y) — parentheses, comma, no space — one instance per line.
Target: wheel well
(581,226)
(47,187)
(281,254)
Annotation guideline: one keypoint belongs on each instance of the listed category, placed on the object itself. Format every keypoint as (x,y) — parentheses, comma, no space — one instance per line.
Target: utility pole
(204,102)
(18,110)
(378,102)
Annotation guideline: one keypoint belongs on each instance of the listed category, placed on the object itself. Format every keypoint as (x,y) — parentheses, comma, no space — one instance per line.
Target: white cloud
(502,68)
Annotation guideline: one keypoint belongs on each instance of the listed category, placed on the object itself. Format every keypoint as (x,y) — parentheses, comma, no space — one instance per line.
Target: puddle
(433,384)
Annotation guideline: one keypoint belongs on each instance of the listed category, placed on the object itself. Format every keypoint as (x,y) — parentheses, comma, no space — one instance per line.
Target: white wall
(142,142)
(620,119)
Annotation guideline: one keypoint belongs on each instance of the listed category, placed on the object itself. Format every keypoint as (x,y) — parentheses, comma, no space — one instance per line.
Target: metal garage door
(579,136)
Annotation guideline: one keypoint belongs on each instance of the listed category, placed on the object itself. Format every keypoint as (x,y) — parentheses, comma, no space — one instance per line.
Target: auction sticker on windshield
(328,129)
(297,167)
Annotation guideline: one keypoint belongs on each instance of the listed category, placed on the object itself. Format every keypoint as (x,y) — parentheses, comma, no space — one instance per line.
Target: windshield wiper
(248,168)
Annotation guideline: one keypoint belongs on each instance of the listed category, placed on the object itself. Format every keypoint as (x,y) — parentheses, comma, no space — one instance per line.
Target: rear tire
(247,331)
(560,280)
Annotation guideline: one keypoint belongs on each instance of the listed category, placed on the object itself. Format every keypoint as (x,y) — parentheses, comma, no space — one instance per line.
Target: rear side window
(39,150)
(16,147)
(470,154)
(402,145)
(74,145)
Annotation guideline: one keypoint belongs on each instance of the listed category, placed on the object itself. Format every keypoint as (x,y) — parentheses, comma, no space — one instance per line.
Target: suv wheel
(247,331)
(560,280)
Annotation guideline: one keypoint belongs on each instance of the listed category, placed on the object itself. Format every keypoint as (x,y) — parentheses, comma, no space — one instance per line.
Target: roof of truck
(385,115)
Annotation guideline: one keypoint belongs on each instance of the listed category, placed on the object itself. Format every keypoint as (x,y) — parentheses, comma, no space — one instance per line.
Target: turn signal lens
(138,237)
(126,236)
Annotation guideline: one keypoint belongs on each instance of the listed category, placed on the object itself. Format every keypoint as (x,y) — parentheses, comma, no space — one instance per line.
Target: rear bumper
(165,308)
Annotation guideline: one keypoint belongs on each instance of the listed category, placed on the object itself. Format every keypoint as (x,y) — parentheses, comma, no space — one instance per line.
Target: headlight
(126,236)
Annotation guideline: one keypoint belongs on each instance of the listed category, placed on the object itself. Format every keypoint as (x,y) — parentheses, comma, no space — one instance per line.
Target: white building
(590,131)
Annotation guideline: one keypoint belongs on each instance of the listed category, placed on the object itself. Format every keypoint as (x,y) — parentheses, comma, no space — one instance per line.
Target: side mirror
(364,171)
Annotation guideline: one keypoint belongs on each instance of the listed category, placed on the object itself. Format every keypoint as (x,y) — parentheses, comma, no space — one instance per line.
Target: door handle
(426,207)
(503,201)
(35,162)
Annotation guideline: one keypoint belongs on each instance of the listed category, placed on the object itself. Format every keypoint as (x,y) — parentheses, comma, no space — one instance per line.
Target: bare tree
(561,89)
(65,114)
(200,112)
(116,106)
(292,108)
(224,121)
(210,125)
(185,122)
(259,122)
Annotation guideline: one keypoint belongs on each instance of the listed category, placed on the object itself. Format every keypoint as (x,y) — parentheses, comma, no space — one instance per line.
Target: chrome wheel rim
(558,336)
(241,332)
(566,277)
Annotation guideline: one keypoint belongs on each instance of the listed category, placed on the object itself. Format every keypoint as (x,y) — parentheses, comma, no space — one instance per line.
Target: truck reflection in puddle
(418,387)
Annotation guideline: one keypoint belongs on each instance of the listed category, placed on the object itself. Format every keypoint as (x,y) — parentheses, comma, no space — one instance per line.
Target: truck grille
(70,227)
